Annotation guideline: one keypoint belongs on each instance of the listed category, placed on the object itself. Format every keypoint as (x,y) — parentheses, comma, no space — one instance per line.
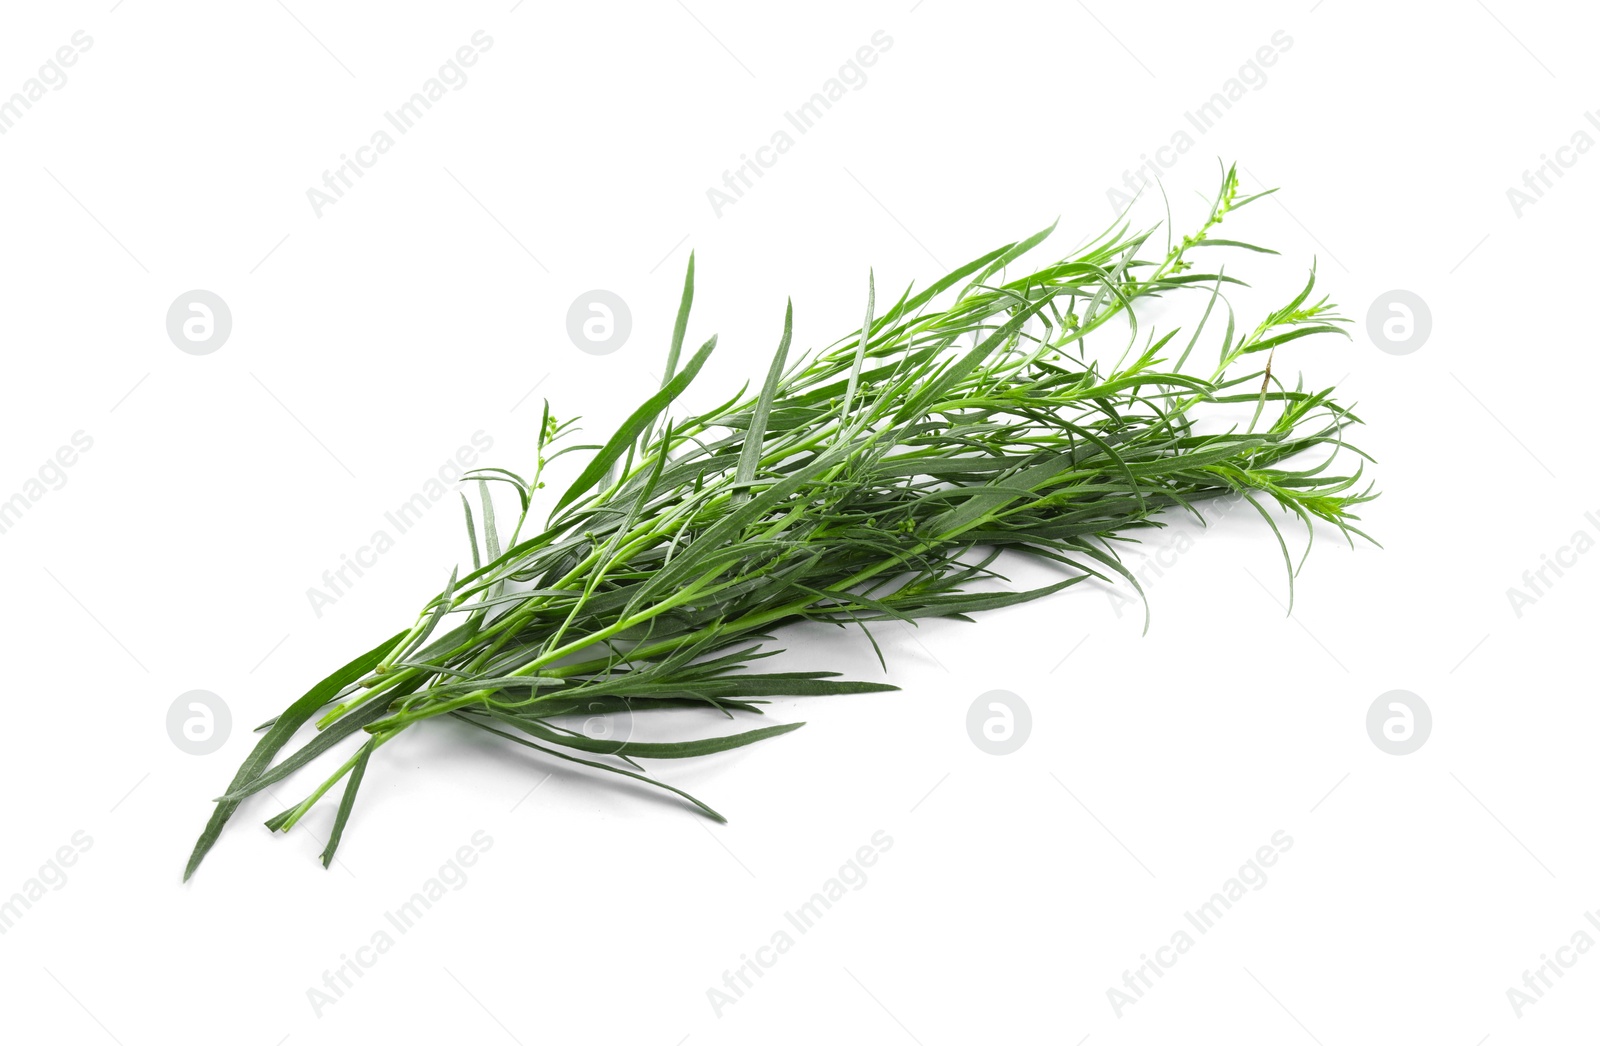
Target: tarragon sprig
(879,478)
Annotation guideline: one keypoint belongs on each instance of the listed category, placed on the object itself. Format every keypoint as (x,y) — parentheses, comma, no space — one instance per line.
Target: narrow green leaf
(755,436)
(861,351)
(294,717)
(680,326)
(644,750)
(702,807)
(491,536)
(472,534)
(347,802)
(637,422)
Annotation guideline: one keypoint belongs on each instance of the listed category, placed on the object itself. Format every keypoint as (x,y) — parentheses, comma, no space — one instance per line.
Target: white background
(371,342)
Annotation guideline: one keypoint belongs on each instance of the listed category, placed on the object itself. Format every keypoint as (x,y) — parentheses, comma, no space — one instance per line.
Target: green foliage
(876,479)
